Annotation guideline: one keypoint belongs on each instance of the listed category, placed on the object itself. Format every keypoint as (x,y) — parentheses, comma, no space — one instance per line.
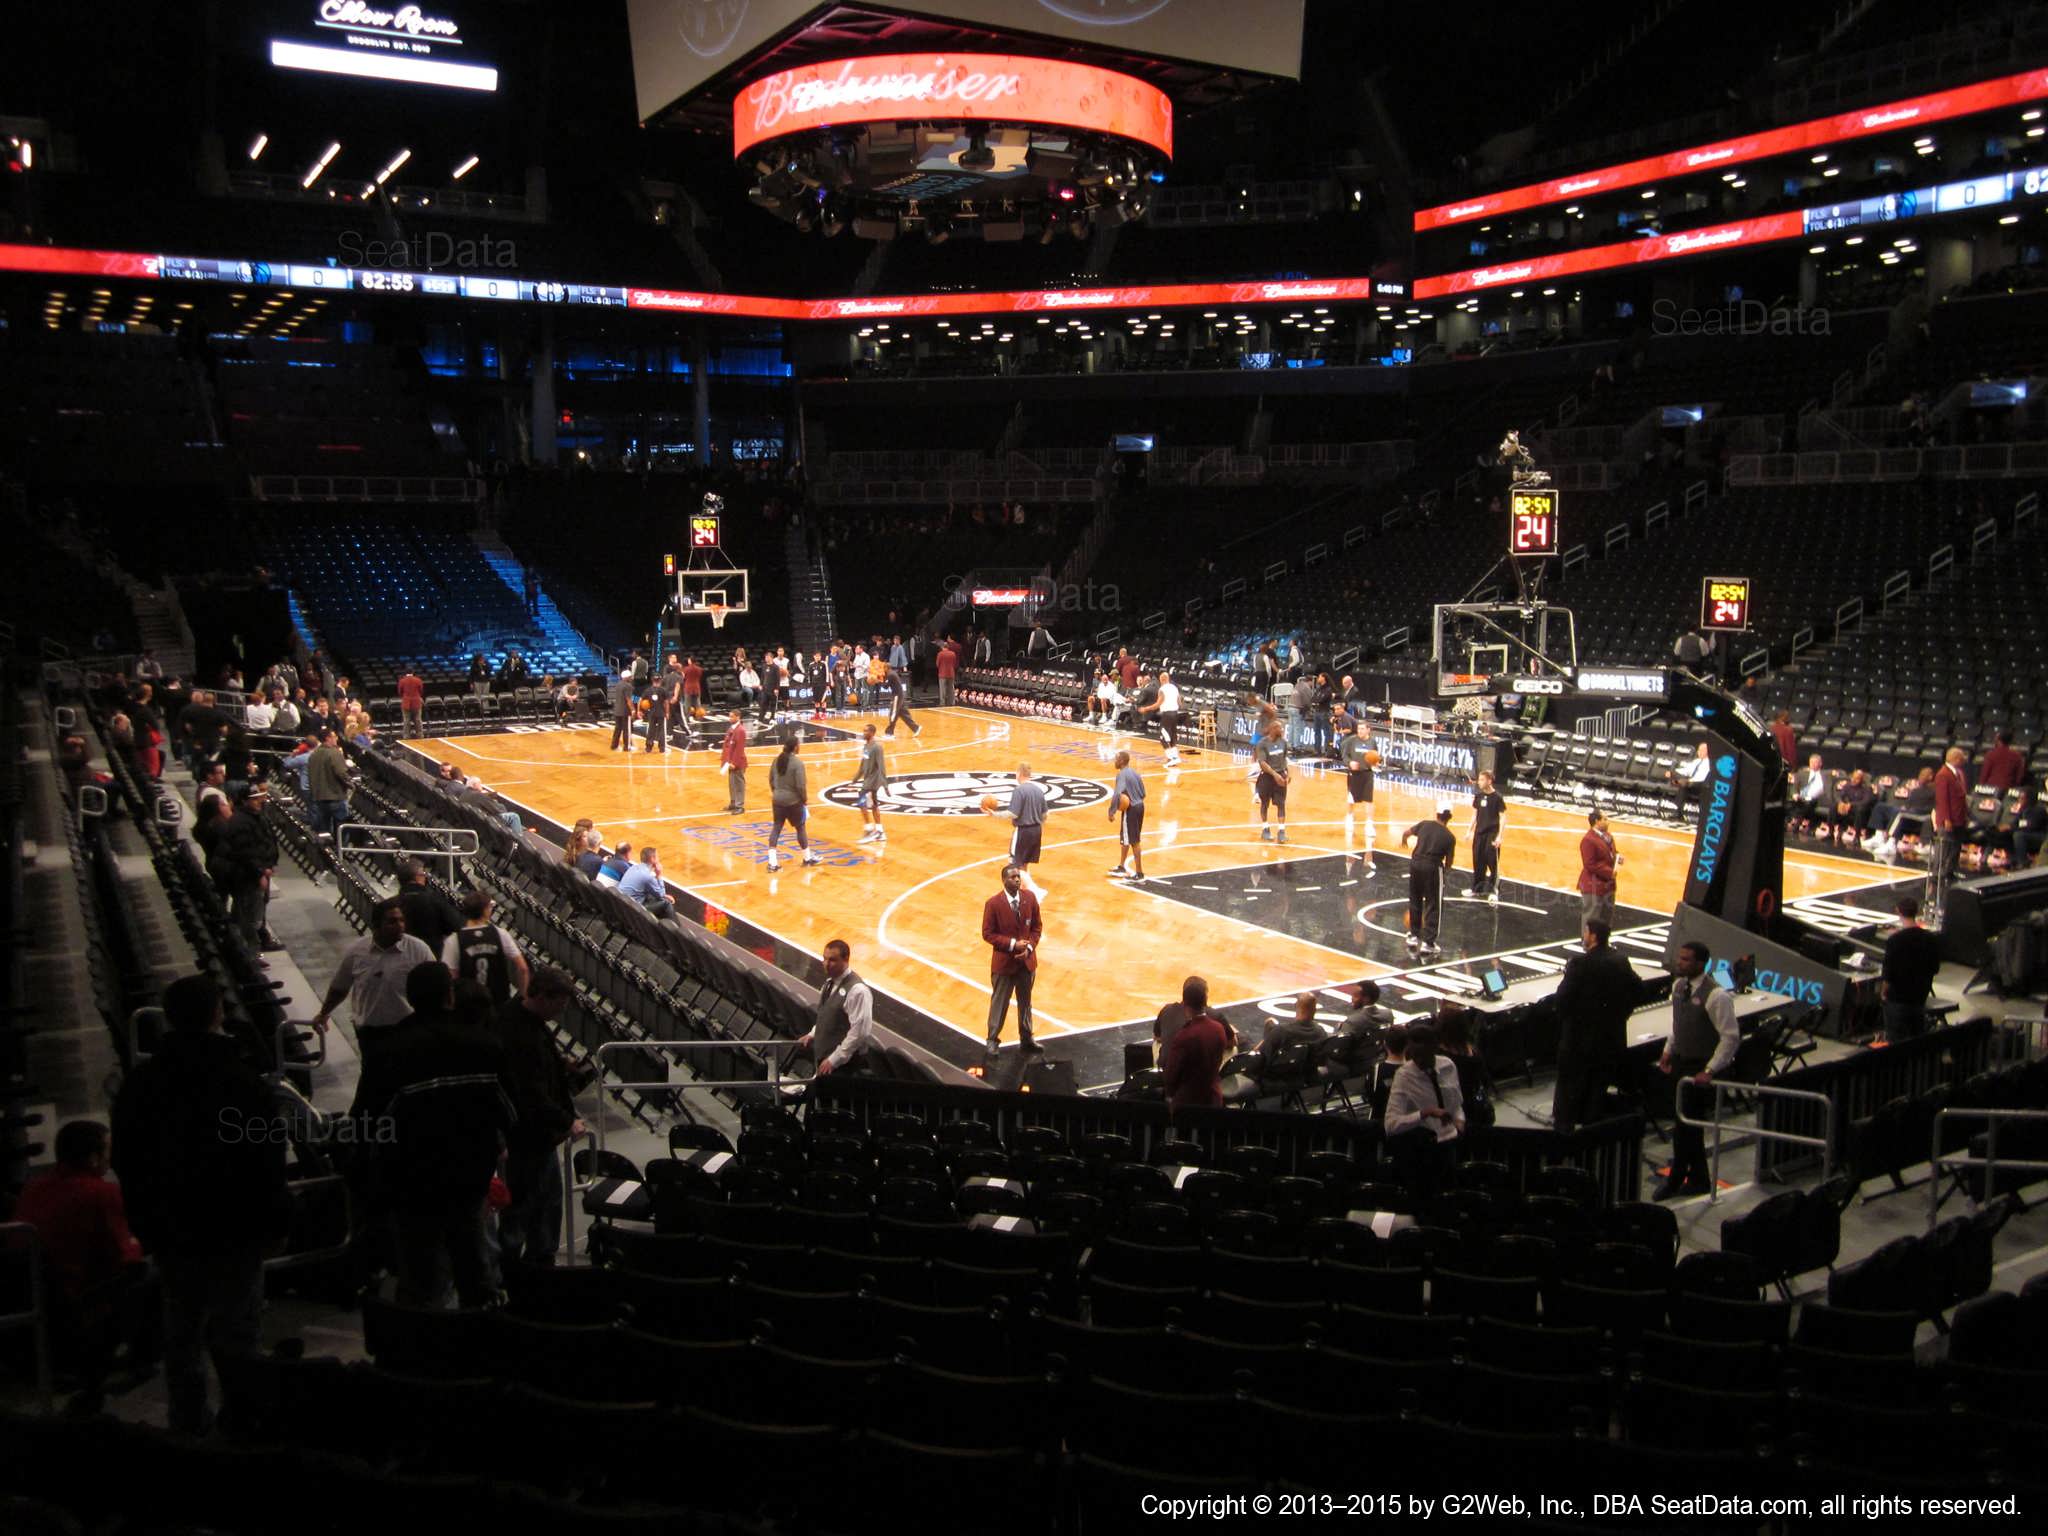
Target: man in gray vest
(838,1040)
(1702,1046)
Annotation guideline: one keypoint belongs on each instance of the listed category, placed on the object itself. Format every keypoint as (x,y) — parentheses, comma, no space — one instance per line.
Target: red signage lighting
(1939,106)
(982,87)
(1598,258)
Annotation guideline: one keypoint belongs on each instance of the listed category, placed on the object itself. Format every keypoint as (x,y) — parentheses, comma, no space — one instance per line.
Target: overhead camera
(713,503)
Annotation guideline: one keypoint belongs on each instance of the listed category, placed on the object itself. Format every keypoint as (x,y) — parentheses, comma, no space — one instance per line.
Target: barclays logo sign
(1801,989)
(1713,840)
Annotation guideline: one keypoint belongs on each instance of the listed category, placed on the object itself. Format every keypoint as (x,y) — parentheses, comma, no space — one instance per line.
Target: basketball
(1372,759)
(989,803)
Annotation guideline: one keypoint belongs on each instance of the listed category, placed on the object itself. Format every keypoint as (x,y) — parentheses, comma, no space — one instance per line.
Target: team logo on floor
(960,793)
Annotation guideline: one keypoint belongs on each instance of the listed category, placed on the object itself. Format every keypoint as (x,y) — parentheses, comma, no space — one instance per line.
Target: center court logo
(959,793)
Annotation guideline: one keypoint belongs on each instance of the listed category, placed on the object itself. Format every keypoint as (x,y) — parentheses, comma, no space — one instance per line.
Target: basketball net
(718,612)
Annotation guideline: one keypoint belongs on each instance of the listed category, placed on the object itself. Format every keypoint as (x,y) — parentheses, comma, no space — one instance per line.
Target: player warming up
(1127,809)
(1027,816)
(1434,848)
(1359,757)
(1269,779)
(871,777)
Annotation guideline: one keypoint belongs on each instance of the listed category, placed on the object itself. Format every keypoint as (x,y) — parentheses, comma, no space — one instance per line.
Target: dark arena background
(1038,767)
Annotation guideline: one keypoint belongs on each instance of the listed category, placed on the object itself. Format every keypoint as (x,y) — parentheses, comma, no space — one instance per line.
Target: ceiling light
(1820,159)
(1549,292)
(261,143)
(385,175)
(1816,250)
(2010,218)
(1208,314)
(1833,170)
(463,169)
(320,165)
(1725,176)
(1516,294)
(1923,149)
(1571,207)
(2028,117)
(1853,240)
(1738,184)
(1648,193)
(2035,133)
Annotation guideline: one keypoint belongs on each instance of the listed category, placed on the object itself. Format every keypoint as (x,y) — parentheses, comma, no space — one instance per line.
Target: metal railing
(438,834)
(1824,1142)
(37,1318)
(770,1051)
(1954,1163)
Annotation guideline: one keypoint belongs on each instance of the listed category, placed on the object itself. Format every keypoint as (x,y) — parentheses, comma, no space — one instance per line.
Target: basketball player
(1434,849)
(1490,807)
(1269,767)
(1027,813)
(897,690)
(1356,753)
(662,699)
(1165,706)
(789,796)
(870,776)
(1127,808)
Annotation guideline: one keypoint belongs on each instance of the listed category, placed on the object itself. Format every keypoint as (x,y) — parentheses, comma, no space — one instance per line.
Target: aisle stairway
(813,624)
(563,645)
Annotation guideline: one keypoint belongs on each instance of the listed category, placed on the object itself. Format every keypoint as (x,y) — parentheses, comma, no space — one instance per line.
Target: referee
(1127,808)
(1434,848)
(1027,813)
(1355,753)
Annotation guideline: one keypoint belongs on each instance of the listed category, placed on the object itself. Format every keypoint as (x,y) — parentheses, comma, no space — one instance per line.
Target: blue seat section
(391,590)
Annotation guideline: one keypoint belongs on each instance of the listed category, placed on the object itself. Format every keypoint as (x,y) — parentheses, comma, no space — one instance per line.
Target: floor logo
(960,793)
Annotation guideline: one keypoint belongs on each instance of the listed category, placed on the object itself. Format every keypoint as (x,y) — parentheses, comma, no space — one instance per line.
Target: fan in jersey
(482,952)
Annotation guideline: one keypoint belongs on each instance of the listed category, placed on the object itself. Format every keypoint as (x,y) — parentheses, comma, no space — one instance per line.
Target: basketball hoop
(718,612)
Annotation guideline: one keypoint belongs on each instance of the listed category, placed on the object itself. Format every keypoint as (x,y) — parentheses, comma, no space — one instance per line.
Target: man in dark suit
(1595,996)
(1011,928)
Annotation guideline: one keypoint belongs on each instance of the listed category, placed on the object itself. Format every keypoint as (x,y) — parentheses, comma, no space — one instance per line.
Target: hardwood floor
(1112,954)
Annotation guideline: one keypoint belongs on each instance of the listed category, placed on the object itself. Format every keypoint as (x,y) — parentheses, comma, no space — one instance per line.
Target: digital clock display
(703,531)
(1724,602)
(1532,523)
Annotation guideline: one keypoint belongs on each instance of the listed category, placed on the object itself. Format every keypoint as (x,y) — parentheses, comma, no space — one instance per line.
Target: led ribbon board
(979,87)
(1939,106)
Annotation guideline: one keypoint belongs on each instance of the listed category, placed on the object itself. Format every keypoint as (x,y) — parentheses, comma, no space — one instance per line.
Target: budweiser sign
(975,86)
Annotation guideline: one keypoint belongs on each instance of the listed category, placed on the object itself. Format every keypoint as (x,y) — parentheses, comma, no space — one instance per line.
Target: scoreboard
(704,530)
(1532,522)
(1724,602)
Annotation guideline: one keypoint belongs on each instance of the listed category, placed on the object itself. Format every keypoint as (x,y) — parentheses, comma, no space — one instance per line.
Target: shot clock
(704,530)
(1724,602)
(1532,522)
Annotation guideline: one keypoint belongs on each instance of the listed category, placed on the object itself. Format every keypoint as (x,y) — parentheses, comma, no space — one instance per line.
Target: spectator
(438,1089)
(1366,1018)
(257,715)
(643,883)
(201,1165)
(1912,959)
(478,798)
(537,1082)
(429,915)
(1454,1033)
(1787,740)
(616,864)
(243,859)
(1854,801)
(2005,766)
(412,703)
(568,700)
(482,952)
(1193,1061)
(1425,1115)
(1810,797)
(327,784)
(371,976)
(101,1293)
(2029,827)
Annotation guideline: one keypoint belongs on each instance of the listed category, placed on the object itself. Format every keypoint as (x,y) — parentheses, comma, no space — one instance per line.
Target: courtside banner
(977,87)
(1937,106)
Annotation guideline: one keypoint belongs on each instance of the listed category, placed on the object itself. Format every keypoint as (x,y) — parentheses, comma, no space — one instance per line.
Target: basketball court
(1260,920)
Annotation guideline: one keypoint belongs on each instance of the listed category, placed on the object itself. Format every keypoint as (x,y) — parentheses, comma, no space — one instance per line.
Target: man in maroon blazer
(1951,814)
(1011,929)
(1597,864)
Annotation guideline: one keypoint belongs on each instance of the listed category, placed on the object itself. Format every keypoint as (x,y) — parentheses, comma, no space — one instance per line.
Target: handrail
(348,1225)
(1990,1162)
(763,1048)
(299,1034)
(450,854)
(37,1317)
(1825,1141)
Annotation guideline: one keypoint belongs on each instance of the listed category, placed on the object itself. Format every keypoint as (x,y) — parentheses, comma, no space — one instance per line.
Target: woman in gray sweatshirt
(789,794)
